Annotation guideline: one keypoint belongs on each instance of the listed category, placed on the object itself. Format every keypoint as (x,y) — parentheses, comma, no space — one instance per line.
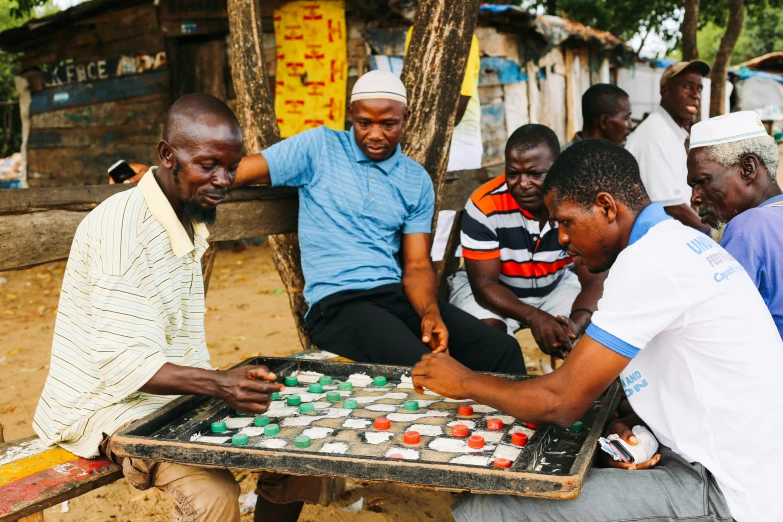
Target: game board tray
(553,464)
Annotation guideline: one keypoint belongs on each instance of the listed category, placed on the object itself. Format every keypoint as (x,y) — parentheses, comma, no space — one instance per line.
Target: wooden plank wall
(78,130)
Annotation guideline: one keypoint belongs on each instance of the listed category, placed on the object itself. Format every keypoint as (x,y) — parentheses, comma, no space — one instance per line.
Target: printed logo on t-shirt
(702,244)
(633,383)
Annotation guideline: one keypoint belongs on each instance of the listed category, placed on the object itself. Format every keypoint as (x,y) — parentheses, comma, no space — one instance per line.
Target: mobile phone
(121,171)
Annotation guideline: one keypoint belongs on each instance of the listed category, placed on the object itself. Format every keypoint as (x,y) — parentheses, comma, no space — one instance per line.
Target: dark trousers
(380,326)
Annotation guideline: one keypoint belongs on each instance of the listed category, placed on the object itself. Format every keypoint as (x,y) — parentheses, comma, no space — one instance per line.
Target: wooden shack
(97,79)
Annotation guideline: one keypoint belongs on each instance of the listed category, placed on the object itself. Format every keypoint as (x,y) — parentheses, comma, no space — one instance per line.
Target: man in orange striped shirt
(516,272)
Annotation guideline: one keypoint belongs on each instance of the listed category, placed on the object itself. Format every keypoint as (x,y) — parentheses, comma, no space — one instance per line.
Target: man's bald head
(195,114)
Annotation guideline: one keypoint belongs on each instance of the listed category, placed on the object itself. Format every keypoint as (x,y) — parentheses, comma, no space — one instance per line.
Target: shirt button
(372,198)
(372,180)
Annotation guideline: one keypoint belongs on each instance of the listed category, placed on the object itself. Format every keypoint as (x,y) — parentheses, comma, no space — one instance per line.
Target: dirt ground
(247,315)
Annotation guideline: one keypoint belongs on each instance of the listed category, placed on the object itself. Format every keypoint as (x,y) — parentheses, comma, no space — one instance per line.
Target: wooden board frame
(522,479)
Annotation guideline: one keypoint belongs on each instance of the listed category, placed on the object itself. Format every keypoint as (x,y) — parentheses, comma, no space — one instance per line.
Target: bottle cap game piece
(218,427)
(519,439)
(325,380)
(240,439)
(302,441)
(465,411)
(307,407)
(411,405)
(476,441)
(293,400)
(494,424)
(333,396)
(577,427)
(345,386)
(531,425)
(260,421)
(412,437)
(315,388)
(271,429)
(240,414)
(382,423)
(291,380)
(502,463)
(459,430)
(275,396)
(396,456)
(379,380)
(350,404)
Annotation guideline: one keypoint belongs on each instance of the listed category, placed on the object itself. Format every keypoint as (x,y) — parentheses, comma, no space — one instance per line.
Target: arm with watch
(554,335)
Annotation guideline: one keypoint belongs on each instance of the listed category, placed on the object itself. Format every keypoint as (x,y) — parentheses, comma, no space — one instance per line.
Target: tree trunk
(259,124)
(720,68)
(689,28)
(434,66)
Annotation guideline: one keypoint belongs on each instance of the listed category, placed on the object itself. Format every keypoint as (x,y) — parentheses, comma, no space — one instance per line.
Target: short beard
(198,213)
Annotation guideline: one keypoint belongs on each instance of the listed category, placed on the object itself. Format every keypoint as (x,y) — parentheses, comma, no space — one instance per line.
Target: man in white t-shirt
(660,143)
(683,326)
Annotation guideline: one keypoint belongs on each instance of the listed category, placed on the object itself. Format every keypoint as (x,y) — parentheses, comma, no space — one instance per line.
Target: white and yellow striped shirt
(132,300)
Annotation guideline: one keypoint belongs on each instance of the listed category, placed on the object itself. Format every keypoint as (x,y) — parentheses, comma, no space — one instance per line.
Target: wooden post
(259,124)
(434,66)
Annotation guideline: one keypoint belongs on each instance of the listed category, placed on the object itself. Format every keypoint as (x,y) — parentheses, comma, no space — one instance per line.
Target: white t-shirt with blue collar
(707,361)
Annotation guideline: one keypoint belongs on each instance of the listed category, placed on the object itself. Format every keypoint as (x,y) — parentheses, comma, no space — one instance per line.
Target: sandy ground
(247,315)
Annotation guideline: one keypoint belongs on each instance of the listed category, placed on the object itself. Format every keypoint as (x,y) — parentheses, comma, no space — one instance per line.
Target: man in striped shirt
(129,335)
(516,272)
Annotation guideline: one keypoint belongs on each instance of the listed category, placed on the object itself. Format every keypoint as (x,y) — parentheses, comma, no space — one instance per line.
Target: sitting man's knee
(496,323)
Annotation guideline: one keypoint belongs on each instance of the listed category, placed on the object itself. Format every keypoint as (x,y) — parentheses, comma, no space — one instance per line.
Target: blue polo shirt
(755,239)
(352,211)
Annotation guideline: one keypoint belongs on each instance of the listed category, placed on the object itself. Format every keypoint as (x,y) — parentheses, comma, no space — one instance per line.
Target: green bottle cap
(240,439)
(379,380)
(218,427)
(325,380)
(345,386)
(260,421)
(333,396)
(411,405)
(240,414)
(271,429)
(275,396)
(302,441)
(351,404)
(306,407)
(293,400)
(291,381)
(577,427)
(315,388)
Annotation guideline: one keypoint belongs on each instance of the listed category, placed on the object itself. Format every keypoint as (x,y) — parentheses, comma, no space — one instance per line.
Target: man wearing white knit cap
(732,169)
(365,218)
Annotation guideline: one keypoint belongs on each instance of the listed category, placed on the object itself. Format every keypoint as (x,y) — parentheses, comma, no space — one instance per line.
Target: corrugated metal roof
(772,62)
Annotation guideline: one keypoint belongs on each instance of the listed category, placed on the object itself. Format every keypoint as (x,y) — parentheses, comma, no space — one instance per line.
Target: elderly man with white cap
(732,168)
(660,143)
(365,218)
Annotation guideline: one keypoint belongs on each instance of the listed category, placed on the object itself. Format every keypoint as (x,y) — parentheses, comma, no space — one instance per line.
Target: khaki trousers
(200,494)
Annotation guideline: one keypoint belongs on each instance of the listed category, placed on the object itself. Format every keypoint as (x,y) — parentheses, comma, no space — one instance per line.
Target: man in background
(660,143)
(606,115)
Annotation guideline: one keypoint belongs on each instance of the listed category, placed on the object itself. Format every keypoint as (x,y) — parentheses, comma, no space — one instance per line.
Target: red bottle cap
(382,423)
(476,441)
(465,411)
(502,463)
(396,456)
(412,437)
(459,430)
(519,439)
(494,424)
(531,425)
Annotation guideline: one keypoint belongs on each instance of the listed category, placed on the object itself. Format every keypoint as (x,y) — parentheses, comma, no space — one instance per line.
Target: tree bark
(720,68)
(434,66)
(689,28)
(259,124)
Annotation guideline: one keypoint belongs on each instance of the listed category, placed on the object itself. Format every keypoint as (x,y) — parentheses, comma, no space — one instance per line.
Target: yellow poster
(311,71)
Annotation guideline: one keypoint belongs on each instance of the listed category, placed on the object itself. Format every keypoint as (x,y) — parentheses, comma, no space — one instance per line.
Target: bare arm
(419,283)
(244,389)
(253,170)
(592,289)
(462,106)
(687,216)
(561,397)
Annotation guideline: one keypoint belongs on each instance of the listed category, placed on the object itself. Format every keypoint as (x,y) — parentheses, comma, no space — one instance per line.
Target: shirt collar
(771,201)
(162,211)
(386,165)
(647,218)
(678,131)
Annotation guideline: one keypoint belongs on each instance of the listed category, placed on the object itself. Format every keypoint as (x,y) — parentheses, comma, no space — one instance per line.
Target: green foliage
(762,33)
